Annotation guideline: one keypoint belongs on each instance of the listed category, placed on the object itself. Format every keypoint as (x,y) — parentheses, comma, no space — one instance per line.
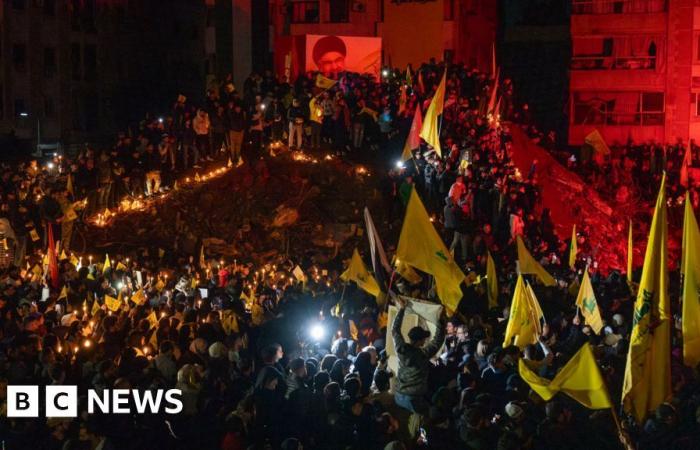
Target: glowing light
(399,164)
(317,332)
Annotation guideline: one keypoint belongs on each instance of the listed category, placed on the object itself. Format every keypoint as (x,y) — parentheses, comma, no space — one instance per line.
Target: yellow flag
(202,259)
(630,254)
(354,332)
(357,272)
(63,256)
(491,281)
(107,264)
(257,314)
(73,260)
(588,304)
(647,381)
(420,246)
(430,131)
(690,272)
(573,249)
(528,265)
(323,82)
(95,307)
(69,184)
(580,379)
(160,285)
(229,321)
(524,320)
(152,319)
(121,267)
(139,297)
(112,303)
(64,293)
(595,140)
(315,111)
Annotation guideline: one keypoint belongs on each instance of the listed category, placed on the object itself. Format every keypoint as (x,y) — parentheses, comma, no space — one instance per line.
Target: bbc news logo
(62,401)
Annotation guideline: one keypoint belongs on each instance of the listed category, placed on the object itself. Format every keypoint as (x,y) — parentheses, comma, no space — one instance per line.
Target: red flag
(53,263)
(413,140)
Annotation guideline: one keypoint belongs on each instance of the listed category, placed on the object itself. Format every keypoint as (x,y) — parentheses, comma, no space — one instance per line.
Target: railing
(587,115)
(618,6)
(613,62)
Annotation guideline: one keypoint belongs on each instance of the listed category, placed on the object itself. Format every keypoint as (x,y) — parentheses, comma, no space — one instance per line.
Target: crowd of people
(283,355)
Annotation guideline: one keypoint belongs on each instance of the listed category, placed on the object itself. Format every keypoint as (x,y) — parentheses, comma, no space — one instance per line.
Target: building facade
(635,70)
(459,30)
(77,71)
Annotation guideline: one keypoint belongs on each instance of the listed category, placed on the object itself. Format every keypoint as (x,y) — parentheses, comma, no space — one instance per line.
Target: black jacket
(414,362)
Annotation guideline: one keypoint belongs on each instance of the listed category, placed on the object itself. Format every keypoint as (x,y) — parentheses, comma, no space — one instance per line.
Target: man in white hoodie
(201,127)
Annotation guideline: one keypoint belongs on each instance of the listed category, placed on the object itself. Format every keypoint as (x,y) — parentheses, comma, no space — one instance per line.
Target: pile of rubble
(274,206)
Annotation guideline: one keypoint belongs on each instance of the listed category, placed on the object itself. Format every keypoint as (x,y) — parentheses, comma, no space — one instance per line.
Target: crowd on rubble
(237,338)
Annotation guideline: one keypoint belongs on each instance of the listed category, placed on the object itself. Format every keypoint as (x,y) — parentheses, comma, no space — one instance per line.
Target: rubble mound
(292,203)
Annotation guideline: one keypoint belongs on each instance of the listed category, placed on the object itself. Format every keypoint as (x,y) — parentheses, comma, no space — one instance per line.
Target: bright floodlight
(23,114)
(317,332)
(385,73)
(399,164)
(160,119)
(49,165)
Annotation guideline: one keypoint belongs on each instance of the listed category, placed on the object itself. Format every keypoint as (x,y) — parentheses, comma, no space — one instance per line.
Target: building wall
(411,31)
(624,67)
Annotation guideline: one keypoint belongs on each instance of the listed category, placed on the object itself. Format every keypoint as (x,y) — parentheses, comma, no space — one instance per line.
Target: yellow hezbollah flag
(112,303)
(595,140)
(357,272)
(121,266)
(588,304)
(139,298)
(73,260)
(316,112)
(430,131)
(573,249)
(690,271)
(421,247)
(95,307)
(580,379)
(491,281)
(647,381)
(630,254)
(528,265)
(63,294)
(152,319)
(323,82)
(524,320)
(107,264)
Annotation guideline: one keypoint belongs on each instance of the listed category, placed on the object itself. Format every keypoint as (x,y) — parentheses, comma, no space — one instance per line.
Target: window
(304,11)
(50,7)
(618,6)
(449,13)
(49,62)
(48,107)
(618,108)
(75,61)
(339,11)
(19,5)
(634,52)
(90,62)
(19,107)
(19,56)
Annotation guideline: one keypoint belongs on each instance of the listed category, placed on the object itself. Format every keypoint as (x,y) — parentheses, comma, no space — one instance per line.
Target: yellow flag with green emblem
(528,265)
(421,247)
(524,319)
(95,308)
(588,304)
(690,274)
(112,303)
(139,297)
(357,272)
(324,82)
(647,381)
(580,379)
(107,264)
(491,281)
(573,248)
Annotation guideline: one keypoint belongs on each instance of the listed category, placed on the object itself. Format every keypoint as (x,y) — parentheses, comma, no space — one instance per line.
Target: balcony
(618,6)
(613,62)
